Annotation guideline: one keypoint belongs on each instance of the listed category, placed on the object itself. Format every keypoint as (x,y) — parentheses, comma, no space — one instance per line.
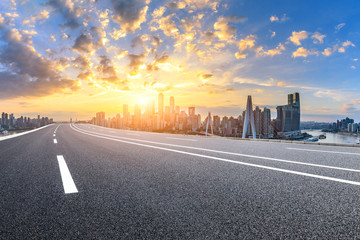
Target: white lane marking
(232,153)
(55,141)
(230,161)
(184,139)
(23,133)
(54,135)
(133,134)
(57,128)
(314,150)
(67,180)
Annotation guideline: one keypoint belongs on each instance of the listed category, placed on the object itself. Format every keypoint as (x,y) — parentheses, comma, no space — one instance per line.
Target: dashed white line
(55,141)
(184,139)
(230,161)
(323,151)
(54,135)
(67,180)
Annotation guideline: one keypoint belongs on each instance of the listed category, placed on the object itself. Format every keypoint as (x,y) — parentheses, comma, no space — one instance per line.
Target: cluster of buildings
(171,118)
(162,118)
(345,125)
(10,122)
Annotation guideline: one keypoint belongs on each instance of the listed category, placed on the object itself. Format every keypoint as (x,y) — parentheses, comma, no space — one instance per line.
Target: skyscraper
(249,119)
(100,118)
(172,105)
(161,105)
(288,116)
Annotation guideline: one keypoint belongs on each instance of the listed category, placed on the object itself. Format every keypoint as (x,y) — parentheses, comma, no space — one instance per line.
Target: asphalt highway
(80,181)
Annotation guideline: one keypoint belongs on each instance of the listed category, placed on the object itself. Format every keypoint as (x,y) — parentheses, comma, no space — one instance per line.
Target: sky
(64,58)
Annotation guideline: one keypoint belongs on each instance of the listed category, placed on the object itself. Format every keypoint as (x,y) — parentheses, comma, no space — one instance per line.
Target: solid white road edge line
(23,133)
(230,153)
(67,180)
(55,141)
(230,161)
(314,150)
(184,139)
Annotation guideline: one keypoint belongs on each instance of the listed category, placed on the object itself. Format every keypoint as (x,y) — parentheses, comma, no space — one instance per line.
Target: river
(332,137)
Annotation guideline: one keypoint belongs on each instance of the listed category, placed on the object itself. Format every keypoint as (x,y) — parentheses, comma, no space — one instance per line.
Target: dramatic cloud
(272,52)
(318,37)
(296,37)
(25,73)
(68,10)
(129,14)
(83,43)
(223,30)
(303,52)
(106,69)
(244,44)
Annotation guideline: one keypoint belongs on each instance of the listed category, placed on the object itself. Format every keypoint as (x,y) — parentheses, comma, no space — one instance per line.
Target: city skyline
(83,56)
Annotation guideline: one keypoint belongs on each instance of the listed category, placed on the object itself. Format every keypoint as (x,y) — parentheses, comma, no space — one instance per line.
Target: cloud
(344,45)
(176,5)
(271,52)
(107,69)
(318,37)
(274,19)
(339,26)
(68,10)
(327,52)
(83,43)
(303,52)
(135,62)
(273,34)
(129,14)
(245,44)
(349,109)
(25,73)
(42,16)
(222,28)
(296,37)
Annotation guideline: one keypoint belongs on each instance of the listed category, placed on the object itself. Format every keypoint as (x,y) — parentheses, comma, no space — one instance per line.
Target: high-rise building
(161,105)
(172,105)
(258,121)
(100,118)
(288,116)
(137,116)
(249,119)
(267,130)
(191,111)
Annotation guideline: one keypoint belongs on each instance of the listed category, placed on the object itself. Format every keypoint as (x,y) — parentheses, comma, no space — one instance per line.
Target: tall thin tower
(209,122)
(249,118)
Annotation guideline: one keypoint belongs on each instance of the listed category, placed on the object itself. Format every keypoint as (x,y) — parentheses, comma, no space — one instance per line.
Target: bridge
(83,181)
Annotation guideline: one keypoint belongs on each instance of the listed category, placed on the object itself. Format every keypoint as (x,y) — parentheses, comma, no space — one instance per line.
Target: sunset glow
(74,58)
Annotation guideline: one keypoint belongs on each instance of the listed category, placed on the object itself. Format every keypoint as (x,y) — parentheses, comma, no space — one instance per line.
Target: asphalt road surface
(89,182)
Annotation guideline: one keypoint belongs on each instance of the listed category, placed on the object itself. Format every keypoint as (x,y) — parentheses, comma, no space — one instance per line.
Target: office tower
(266,123)
(172,105)
(257,120)
(177,110)
(100,118)
(249,119)
(161,105)
(191,111)
(167,113)
(288,116)
(137,116)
